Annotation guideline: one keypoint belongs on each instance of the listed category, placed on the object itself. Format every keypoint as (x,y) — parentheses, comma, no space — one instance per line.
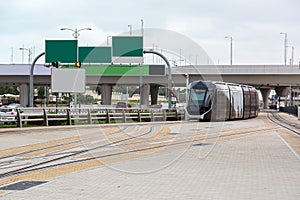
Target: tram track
(62,151)
(52,146)
(127,148)
(29,167)
(278,120)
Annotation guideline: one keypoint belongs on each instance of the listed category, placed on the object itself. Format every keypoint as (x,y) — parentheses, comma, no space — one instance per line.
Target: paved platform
(261,165)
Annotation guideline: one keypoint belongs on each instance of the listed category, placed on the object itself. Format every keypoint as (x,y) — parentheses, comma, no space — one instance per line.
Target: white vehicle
(8,114)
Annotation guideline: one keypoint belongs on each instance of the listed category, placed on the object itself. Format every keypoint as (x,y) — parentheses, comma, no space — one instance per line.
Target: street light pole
(230,48)
(187,82)
(130,29)
(107,38)
(292,58)
(29,53)
(75,35)
(142,27)
(285,45)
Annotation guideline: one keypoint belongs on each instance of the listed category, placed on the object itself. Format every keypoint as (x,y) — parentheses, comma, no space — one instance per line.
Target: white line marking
(289,146)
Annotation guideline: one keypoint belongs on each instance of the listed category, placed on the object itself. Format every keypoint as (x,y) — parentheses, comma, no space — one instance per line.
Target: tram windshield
(198,95)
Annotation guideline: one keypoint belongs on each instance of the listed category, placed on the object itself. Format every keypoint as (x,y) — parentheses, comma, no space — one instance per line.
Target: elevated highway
(265,77)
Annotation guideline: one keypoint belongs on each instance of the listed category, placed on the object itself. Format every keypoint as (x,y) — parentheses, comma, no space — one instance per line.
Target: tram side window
(237,103)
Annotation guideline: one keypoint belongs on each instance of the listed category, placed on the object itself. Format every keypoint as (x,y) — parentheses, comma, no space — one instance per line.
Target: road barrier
(293,110)
(70,116)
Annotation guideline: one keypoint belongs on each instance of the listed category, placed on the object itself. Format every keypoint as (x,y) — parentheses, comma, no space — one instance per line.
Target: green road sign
(95,54)
(117,70)
(123,70)
(127,46)
(64,51)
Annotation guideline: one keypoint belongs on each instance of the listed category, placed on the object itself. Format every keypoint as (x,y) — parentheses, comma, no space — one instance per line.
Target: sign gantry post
(169,74)
(31,79)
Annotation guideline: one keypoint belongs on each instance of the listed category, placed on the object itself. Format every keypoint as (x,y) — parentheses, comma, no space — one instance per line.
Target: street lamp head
(25,49)
(83,29)
(75,31)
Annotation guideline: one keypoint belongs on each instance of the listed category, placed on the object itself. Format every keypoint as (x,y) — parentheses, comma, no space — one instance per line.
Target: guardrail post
(176,115)
(69,121)
(152,115)
(90,121)
(45,117)
(164,115)
(124,116)
(19,119)
(139,115)
(107,116)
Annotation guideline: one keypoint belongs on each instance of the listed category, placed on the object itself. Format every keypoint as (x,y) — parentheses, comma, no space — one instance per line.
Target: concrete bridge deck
(283,79)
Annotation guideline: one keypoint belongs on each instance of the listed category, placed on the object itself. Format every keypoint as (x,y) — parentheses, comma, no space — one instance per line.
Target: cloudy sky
(255,25)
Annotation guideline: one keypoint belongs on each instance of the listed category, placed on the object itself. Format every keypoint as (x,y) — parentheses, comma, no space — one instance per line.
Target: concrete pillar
(144,98)
(106,92)
(154,94)
(265,92)
(282,91)
(24,95)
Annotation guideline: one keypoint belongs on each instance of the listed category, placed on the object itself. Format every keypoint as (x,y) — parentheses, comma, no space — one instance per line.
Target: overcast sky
(255,25)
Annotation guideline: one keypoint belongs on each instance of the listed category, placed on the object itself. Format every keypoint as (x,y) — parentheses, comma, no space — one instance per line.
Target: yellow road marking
(50,173)
(30,147)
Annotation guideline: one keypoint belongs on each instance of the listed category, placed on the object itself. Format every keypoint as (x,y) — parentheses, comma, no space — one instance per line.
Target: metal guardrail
(293,110)
(236,69)
(94,115)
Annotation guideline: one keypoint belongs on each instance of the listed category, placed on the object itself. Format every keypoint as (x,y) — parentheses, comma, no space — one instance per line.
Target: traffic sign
(127,49)
(63,51)
(95,54)
(68,80)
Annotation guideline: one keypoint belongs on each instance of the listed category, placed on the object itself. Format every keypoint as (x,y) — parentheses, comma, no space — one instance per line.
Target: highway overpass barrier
(292,110)
(48,116)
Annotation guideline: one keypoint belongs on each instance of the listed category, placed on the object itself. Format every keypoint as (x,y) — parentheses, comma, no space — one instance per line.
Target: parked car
(123,105)
(8,114)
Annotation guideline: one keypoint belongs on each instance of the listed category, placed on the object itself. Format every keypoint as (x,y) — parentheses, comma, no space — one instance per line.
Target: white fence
(46,116)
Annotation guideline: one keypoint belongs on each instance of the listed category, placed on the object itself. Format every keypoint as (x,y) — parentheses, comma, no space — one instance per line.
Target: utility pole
(285,46)
(230,48)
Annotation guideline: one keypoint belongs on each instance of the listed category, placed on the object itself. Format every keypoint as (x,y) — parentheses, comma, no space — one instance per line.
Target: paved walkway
(258,166)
